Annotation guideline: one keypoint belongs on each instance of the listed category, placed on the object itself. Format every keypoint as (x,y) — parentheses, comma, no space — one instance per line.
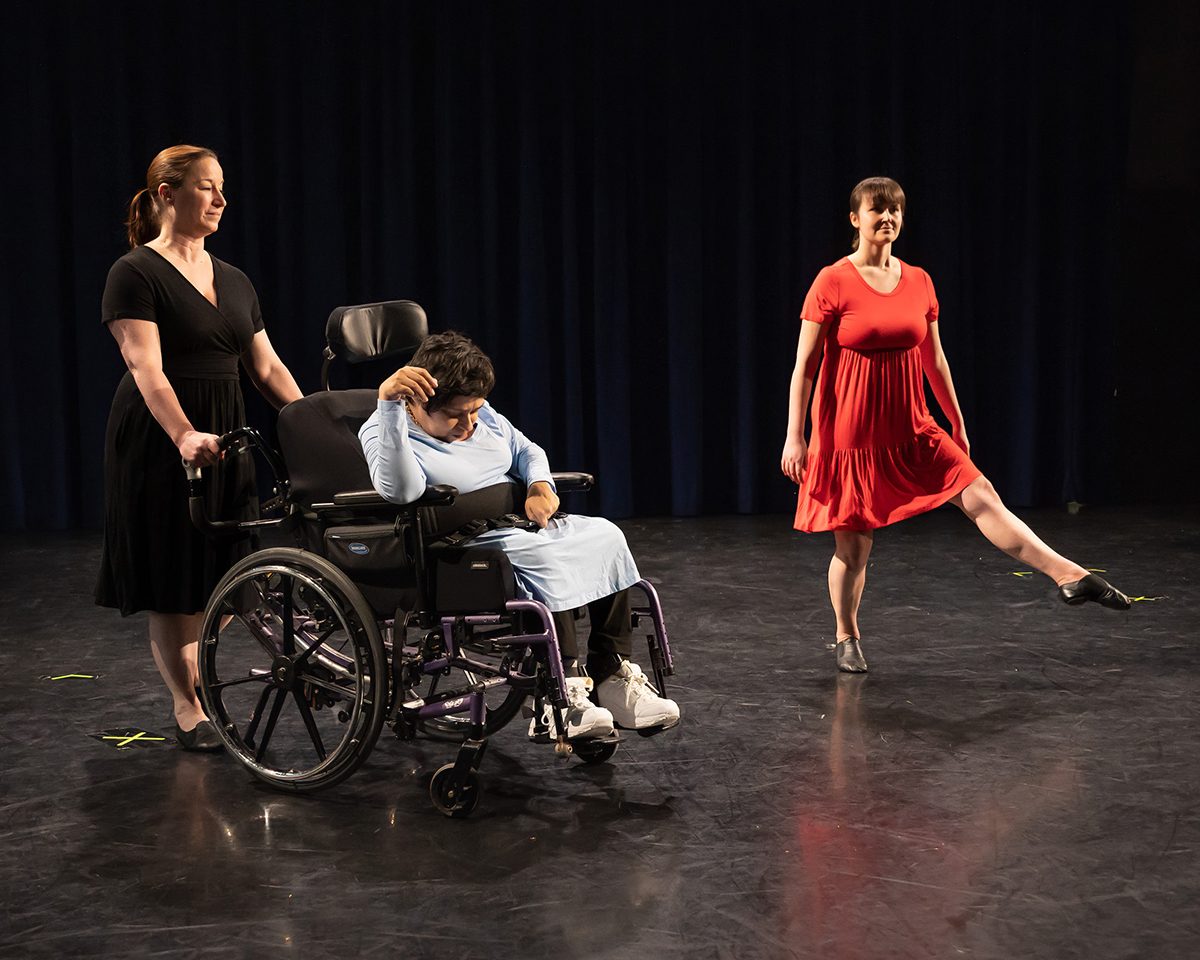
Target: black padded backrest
(318,436)
(373,331)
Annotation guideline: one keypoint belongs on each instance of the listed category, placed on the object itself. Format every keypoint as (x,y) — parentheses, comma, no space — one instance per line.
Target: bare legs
(174,639)
(848,576)
(980,502)
(1003,528)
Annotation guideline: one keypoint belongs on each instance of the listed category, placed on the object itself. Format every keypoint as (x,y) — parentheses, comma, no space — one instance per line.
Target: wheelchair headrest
(318,436)
(372,331)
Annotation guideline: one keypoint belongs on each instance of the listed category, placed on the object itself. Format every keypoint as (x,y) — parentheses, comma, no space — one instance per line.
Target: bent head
(876,211)
(465,377)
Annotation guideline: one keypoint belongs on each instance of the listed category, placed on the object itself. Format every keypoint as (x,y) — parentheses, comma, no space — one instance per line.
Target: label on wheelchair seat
(480,564)
(359,548)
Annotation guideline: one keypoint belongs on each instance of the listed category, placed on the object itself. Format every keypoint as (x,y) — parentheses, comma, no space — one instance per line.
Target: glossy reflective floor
(1013,779)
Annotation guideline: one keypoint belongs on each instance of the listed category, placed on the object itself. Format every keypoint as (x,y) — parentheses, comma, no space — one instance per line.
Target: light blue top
(572,562)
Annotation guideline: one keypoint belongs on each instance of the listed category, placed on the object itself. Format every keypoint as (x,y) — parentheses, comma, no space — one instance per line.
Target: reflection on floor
(1013,779)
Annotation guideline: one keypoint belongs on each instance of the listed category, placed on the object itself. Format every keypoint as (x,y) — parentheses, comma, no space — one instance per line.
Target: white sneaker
(582,717)
(633,701)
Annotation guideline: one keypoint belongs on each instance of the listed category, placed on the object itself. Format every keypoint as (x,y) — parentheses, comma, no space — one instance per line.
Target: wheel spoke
(258,712)
(264,678)
(275,708)
(303,658)
(309,722)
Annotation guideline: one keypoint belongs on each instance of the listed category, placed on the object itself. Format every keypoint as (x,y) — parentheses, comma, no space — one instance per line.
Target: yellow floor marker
(125,737)
(74,676)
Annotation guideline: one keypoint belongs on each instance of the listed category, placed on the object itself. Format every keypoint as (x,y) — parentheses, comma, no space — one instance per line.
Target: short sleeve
(822,303)
(931,312)
(256,312)
(127,295)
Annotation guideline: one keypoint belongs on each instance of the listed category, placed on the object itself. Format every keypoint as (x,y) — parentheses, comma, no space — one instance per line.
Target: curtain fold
(623,203)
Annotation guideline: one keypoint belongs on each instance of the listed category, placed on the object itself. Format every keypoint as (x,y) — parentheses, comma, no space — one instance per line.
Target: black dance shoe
(1094,588)
(203,737)
(849,656)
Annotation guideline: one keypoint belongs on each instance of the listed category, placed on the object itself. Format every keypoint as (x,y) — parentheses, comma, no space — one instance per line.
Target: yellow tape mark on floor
(1022,573)
(125,740)
(74,676)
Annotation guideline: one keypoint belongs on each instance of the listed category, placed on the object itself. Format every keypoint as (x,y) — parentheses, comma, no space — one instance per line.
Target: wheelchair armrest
(567,482)
(433,496)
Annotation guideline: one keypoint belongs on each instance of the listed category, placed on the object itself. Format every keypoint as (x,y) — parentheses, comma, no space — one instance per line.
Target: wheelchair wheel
(292,669)
(453,804)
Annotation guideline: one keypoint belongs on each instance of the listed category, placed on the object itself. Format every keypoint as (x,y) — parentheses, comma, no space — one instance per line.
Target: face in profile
(200,200)
(454,421)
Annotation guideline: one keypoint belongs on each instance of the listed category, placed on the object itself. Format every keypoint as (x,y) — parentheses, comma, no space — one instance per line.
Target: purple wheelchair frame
(455,782)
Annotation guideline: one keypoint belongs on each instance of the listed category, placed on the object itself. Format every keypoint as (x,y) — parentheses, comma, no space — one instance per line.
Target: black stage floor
(1013,779)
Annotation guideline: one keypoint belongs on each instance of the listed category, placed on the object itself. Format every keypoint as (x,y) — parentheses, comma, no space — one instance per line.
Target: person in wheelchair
(433,425)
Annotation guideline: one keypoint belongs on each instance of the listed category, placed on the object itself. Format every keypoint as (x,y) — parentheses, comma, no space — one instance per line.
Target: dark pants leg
(611,639)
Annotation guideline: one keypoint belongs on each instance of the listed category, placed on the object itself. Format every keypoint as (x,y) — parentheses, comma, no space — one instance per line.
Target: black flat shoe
(849,656)
(203,737)
(1094,588)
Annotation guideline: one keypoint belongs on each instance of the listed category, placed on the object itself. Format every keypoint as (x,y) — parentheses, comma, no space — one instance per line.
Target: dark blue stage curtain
(623,203)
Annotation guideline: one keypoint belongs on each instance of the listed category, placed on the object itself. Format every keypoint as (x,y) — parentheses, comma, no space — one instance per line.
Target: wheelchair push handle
(233,443)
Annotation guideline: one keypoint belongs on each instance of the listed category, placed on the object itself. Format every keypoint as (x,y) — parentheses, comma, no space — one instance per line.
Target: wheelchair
(382,614)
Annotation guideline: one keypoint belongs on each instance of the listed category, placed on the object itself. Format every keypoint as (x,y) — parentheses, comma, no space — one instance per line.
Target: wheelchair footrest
(547,737)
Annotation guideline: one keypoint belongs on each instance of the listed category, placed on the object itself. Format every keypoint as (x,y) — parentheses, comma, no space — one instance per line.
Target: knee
(980,497)
(853,551)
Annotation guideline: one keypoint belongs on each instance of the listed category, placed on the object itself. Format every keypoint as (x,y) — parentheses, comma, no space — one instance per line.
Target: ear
(163,192)
(854,221)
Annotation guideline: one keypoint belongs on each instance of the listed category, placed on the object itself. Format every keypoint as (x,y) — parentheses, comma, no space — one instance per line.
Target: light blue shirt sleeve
(396,473)
(529,460)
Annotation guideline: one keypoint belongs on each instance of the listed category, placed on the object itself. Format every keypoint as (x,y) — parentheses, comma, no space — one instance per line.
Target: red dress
(876,455)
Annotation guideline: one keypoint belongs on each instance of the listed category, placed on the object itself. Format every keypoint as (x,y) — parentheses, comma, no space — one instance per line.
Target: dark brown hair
(875,189)
(169,167)
(457,364)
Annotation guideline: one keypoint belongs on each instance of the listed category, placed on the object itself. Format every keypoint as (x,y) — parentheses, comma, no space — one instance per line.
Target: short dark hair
(875,189)
(457,364)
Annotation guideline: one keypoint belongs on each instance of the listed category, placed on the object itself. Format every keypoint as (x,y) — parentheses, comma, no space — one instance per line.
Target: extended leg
(1007,531)
(982,504)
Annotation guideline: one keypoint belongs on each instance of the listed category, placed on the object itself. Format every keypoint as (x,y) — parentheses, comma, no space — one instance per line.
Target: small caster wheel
(450,802)
(595,751)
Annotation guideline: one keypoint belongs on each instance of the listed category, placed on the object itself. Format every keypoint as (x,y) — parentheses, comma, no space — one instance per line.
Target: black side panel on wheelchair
(307,651)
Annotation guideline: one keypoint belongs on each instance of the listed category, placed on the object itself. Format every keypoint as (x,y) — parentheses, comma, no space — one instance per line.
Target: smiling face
(454,420)
(196,205)
(877,220)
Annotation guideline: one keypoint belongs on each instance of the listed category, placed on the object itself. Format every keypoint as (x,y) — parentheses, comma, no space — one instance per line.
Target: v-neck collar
(216,287)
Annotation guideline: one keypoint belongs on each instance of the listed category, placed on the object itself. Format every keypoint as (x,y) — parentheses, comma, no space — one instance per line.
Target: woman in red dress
(876,455)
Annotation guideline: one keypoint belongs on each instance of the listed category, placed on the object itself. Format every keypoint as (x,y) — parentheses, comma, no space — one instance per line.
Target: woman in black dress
(183,320)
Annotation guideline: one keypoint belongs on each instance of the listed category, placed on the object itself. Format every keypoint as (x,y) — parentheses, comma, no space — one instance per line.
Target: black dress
(153,558)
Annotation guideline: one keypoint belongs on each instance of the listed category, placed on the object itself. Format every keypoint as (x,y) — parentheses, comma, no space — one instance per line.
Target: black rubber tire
(343,669)
(458,806)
